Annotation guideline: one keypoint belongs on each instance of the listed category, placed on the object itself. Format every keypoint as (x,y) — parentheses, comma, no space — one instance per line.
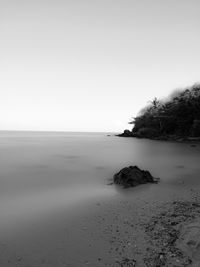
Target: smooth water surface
(42,172)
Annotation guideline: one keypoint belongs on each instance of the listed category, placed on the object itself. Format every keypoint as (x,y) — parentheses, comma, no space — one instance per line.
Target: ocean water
(41,172)
(52,186)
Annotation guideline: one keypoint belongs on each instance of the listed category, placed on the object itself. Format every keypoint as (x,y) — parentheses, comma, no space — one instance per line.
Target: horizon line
(57,131)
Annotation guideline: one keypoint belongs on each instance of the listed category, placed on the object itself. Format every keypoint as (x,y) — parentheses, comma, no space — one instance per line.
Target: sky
(91,65)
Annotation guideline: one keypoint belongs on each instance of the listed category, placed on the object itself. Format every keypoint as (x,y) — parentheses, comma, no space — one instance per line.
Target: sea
(50,182)
(43,171)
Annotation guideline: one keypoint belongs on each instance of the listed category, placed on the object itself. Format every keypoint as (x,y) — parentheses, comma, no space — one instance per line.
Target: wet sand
(151,225)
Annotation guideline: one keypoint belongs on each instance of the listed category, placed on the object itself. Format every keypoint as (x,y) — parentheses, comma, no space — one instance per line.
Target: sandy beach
(156,225)
(92,223)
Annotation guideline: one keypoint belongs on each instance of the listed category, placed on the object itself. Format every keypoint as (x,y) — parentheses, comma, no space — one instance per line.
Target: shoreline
(174,235)
(177,139)
(145,226)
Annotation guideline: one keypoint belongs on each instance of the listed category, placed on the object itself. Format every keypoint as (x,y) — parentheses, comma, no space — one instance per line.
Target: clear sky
(90,65)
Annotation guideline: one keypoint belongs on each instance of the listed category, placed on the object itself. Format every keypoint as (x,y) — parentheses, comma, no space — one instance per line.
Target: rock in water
(126,133)
(133,176)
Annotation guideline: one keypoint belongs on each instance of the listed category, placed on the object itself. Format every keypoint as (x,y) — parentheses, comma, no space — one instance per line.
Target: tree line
(178,116)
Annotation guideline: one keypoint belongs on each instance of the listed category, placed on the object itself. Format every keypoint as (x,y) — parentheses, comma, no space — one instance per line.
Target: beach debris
(189,240)
(126,262)
(132,176)
(174,235)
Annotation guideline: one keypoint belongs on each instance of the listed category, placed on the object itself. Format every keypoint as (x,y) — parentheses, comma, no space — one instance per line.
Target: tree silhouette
(178,116)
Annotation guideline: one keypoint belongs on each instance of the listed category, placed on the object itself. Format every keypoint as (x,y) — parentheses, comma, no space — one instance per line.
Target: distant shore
(174,138)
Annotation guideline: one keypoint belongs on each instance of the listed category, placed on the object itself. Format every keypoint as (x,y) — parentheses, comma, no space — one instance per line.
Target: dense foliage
(178,116)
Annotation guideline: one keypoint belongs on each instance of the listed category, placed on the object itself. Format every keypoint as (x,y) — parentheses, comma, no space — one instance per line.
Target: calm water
(42,172)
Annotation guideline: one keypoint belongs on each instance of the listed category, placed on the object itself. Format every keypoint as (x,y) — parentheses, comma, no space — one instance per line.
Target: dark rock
(133,176)
(126,133)
(193,138)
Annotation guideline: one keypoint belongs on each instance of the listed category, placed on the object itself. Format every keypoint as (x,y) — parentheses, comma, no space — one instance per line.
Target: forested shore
(177,118)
